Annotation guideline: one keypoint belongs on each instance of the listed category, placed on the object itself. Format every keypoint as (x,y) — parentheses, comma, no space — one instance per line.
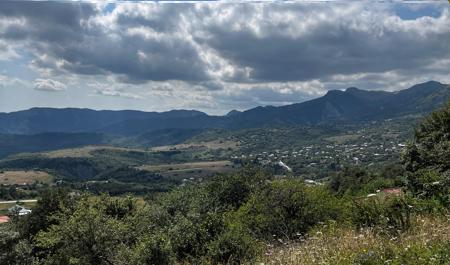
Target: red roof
(393,191)
(4,219)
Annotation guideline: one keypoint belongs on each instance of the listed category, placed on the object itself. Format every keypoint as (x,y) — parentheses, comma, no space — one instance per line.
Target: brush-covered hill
(73,120)
(351,105)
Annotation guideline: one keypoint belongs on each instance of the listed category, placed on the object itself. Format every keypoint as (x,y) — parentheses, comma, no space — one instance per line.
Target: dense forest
(397,215)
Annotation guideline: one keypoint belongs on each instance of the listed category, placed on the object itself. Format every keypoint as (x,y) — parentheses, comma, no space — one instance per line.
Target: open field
(197,169)
(24,177)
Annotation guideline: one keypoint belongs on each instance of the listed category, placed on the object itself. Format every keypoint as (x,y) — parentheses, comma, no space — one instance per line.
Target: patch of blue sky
(19,69)
(412,11)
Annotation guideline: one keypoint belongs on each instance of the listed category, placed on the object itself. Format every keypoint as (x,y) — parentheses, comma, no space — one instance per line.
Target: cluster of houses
(364,153)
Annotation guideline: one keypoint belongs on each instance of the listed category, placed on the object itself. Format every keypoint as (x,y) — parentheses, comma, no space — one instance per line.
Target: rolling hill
(72,120)
(12,143)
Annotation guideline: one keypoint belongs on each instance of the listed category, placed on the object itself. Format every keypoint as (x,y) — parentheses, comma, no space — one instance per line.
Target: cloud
(49,85)
(295,43)
(219,56)
(141,42)
(48,22)
(133,42)
(117,93)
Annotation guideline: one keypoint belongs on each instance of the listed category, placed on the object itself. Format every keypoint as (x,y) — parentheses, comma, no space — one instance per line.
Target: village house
(19,210)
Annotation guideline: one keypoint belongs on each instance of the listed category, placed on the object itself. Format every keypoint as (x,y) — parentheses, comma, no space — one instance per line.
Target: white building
(19,210)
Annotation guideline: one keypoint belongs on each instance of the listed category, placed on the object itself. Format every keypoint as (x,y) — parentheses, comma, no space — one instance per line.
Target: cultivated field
(24,177)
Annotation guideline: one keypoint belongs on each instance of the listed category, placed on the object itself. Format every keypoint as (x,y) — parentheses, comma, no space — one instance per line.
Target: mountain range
(350,105)
(41,129)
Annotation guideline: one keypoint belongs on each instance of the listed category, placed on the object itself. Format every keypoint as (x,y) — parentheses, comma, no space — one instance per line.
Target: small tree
(431,145)
(427,157)
(286,208)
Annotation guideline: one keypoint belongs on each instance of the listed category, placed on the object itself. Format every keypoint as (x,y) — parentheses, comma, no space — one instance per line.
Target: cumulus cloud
(117,93)
(220,55)
(49,85)
(133,41)
(281,43)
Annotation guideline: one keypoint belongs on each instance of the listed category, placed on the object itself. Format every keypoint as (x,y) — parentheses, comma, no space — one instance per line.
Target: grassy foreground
(426,242)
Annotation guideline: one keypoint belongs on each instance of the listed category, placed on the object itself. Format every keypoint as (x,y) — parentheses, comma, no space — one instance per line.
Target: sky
(214,56)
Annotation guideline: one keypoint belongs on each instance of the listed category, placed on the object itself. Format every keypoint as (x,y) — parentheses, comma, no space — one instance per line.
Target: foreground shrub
(431,146)
(234,246)
(92,233)
(12,249)
(430,184)
(388,213)
(286,208)
(427,158)
(152,249)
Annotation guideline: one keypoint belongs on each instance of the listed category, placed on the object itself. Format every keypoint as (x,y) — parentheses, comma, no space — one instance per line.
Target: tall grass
(426,242)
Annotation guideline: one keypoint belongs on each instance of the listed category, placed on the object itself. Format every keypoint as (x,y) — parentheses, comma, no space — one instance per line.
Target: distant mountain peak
(334,92)
(233,113)
(353,90)
(431,82)
(427,85)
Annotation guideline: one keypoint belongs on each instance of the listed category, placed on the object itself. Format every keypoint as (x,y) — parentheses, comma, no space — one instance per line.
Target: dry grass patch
(425,243)
(24,177)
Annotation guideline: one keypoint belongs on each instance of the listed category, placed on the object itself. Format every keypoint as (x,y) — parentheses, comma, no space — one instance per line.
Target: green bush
(388,213)
(431,146)
(88,234)
(152,249)
(426,183)
(286,208)
(353,181)
(428,206)
(427,158)
(234,246)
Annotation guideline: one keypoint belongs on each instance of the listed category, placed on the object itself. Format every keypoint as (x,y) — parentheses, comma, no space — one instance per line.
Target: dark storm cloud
(71,34)
(45,21)
(134,57)
(340,45)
